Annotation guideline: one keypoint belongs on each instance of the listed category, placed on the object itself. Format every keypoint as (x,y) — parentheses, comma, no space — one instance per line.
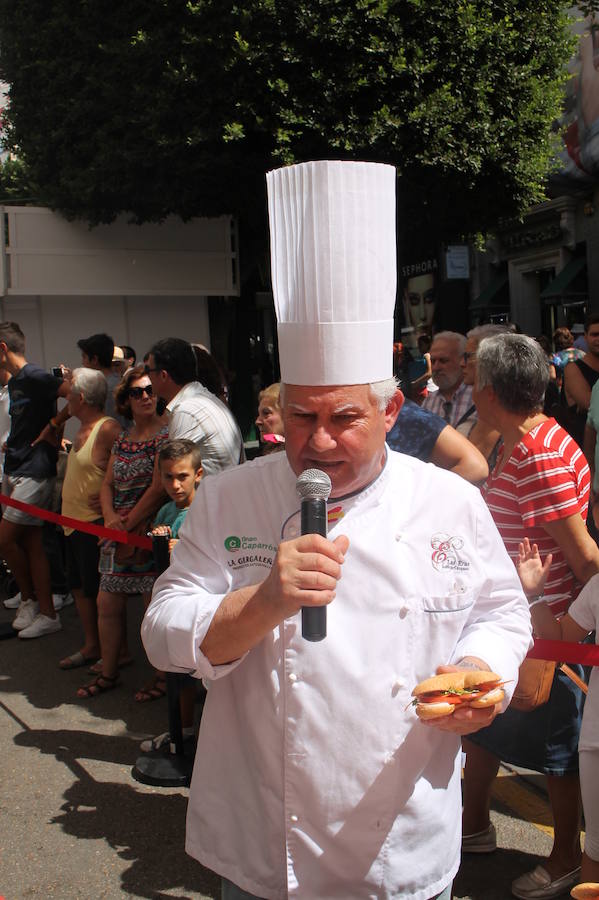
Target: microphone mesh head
(313,484)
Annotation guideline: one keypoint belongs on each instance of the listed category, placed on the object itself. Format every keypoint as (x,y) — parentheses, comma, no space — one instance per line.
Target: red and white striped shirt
(545,479)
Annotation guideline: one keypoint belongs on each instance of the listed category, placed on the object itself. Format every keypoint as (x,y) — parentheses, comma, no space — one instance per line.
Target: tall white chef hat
(333,262)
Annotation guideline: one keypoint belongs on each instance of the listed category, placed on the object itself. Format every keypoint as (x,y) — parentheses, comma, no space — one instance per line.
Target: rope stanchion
(164,768)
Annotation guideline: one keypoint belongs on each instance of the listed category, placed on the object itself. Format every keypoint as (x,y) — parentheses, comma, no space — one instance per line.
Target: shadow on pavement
(489,877)
(144,829)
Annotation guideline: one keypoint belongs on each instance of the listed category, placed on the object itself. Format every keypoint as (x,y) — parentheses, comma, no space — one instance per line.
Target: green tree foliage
(167,106)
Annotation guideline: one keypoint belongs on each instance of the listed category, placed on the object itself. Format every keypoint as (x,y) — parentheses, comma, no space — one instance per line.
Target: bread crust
(494,696)
(588,890)
(434,710)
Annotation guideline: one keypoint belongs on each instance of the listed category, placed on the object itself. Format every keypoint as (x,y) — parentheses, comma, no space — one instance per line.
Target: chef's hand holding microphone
(306,570)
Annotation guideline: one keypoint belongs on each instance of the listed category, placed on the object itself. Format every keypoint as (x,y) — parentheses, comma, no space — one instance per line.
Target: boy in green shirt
(180,465)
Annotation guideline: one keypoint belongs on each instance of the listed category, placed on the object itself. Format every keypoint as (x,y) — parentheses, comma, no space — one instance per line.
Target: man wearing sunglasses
(194,413)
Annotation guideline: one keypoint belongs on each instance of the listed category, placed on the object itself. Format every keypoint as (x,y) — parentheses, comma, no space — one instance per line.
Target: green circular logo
(233,542)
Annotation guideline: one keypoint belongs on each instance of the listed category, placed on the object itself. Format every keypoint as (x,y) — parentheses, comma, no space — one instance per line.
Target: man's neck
(15,362)
(449,393)
(185,504)
(592,360)
(170,390)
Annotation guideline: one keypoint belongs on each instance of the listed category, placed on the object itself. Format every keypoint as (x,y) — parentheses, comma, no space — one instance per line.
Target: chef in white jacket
(313,777)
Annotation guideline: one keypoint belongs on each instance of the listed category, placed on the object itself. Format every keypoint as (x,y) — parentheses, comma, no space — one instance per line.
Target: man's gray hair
(92,385)
(482,331)
(516,367)
(382,392)
(454,336)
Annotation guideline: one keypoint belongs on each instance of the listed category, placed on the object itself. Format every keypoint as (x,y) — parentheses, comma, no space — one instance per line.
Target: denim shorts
(544,739)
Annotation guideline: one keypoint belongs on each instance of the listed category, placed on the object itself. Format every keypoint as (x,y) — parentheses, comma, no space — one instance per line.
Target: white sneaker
(28,610)
(62,600)
(40,626)
(13,602)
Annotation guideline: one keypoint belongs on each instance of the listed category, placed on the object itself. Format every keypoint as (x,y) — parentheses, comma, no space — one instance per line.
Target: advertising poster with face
(419,282)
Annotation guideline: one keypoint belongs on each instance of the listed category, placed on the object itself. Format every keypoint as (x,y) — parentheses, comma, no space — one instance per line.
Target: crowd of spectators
(147,433)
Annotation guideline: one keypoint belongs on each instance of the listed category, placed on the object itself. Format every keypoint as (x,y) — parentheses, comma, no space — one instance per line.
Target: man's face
(420,300)
(592,336)
(468,361)
(445,363)
(339,430)
(155,375)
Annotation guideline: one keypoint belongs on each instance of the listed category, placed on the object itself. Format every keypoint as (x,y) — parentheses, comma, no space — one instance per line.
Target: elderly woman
(483,435)
(86,468)
(270,418)
(538,489)
(130,496)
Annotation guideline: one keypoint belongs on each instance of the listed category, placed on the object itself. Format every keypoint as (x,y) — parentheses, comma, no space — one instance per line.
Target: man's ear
(393,410)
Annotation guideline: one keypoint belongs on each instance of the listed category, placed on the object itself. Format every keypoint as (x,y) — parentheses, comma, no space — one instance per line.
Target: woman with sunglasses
(130,496)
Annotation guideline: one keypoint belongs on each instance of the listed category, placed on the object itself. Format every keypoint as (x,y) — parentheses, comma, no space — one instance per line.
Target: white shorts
(37,491)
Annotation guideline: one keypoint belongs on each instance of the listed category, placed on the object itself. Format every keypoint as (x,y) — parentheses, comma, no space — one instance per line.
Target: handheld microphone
(314,488)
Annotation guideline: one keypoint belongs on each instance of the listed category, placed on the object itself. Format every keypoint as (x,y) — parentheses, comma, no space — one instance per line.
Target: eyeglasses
(147,370)
(138,392)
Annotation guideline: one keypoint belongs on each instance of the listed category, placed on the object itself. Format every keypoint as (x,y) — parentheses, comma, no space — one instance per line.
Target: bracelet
(535,600)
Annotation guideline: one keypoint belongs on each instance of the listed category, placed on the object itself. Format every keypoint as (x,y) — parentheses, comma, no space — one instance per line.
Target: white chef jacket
(313,778)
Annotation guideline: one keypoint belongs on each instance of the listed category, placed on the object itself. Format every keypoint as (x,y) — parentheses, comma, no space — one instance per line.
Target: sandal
(96,669)
(154,692)
(75,661)
(99,685)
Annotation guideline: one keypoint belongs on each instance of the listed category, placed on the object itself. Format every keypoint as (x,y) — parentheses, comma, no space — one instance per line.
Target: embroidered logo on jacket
(446,553)
(256,552)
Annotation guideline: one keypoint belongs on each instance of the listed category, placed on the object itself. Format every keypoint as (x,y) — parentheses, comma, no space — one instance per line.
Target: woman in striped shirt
(539,489)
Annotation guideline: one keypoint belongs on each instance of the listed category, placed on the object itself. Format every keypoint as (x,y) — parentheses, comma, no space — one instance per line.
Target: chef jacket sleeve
(185,599)
(498,629)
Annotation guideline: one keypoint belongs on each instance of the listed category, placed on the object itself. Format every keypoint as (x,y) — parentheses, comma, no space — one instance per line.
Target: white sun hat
(334,276)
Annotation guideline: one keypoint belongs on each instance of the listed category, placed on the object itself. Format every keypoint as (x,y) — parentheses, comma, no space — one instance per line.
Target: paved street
(74,824)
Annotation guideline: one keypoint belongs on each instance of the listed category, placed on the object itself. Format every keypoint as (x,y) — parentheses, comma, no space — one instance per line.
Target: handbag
(535,678)
(130,556)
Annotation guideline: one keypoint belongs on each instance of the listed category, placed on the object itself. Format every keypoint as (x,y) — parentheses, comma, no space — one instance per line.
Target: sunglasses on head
(138,392)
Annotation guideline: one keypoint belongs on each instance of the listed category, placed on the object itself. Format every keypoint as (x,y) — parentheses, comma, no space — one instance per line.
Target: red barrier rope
(111,534)
(565,651)
(559,651)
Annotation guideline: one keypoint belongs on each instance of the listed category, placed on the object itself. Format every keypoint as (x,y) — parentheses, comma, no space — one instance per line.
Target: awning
(561,286)
(488,296)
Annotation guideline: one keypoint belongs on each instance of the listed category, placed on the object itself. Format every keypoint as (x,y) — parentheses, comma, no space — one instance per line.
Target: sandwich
(440,695)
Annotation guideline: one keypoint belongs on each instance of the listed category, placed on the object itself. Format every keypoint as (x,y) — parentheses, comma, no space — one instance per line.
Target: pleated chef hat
(333,262)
